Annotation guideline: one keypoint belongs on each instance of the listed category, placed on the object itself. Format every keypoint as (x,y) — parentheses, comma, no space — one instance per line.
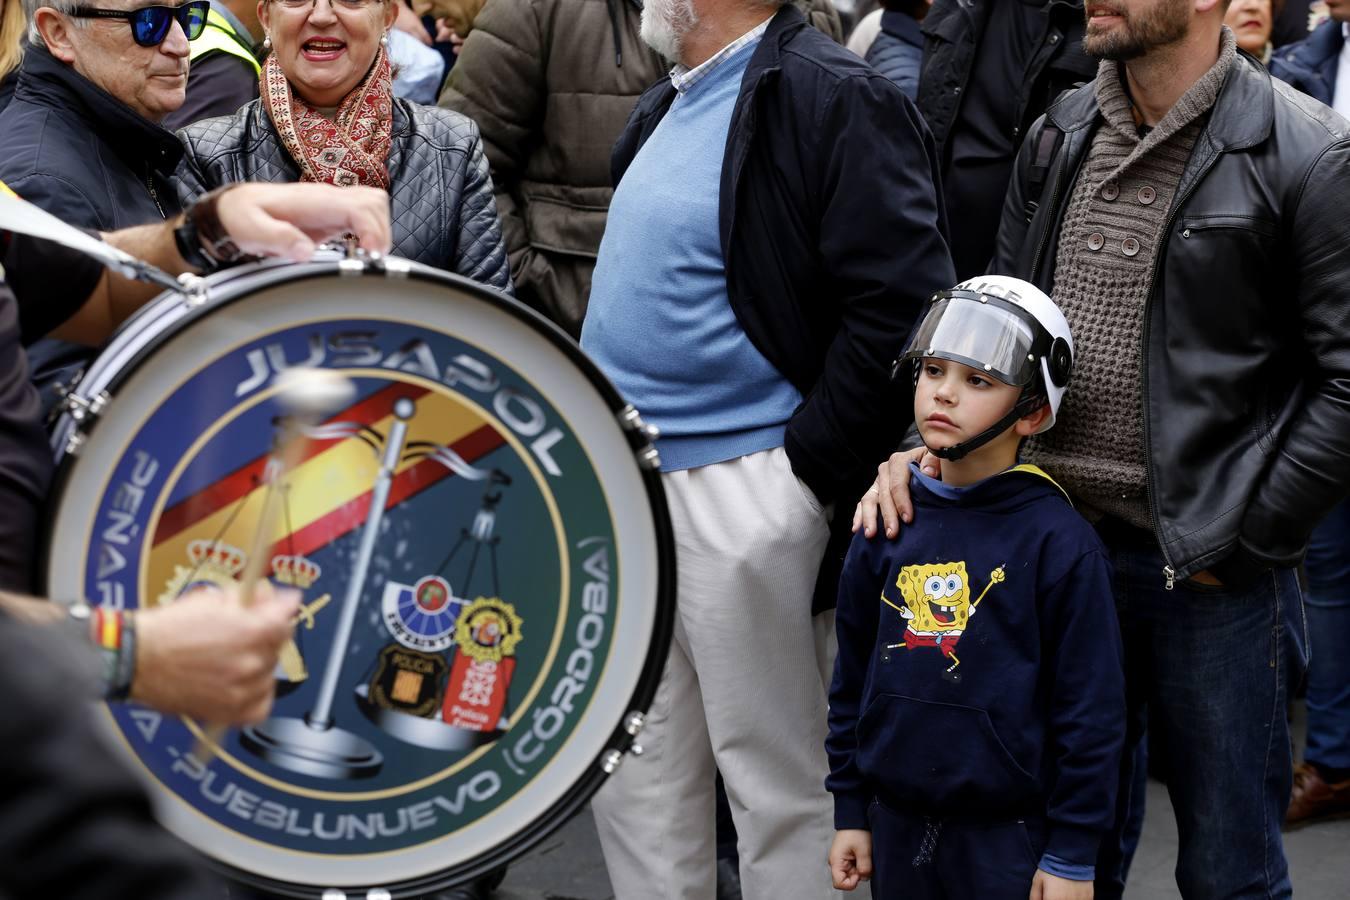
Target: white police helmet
(1007,327)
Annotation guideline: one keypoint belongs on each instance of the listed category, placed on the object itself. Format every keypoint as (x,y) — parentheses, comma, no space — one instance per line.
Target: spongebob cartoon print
(937,607)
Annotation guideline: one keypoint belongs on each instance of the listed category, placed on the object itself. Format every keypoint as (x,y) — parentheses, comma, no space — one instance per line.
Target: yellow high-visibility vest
(220,36)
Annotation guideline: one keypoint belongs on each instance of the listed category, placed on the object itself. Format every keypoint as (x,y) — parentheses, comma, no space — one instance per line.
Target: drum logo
(422,616)
(460,609)
(408,682)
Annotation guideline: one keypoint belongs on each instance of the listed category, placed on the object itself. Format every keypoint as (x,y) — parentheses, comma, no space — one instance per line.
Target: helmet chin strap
(1028,403)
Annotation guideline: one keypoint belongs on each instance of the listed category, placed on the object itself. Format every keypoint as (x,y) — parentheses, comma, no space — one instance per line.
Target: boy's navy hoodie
(979,674)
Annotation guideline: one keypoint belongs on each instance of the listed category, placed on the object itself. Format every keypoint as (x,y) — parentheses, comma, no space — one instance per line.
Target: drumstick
(305,396)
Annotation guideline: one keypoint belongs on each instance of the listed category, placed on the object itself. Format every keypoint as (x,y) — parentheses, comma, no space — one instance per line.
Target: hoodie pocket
(940,757)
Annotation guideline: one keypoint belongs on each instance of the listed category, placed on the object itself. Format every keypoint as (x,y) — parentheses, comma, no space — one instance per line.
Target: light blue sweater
(659,322)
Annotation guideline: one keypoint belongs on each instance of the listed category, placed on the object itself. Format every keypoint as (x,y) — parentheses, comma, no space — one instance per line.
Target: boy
(978,709)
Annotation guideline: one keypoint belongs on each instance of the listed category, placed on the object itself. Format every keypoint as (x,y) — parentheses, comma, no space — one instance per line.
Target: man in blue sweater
(977,712)
(774,231)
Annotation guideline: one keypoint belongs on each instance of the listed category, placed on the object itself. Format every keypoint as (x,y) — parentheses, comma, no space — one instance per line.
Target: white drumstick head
(312,393)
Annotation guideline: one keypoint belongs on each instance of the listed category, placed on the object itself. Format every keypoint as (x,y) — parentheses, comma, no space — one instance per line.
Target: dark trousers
(1215,664)
(1329,625)
(914,858)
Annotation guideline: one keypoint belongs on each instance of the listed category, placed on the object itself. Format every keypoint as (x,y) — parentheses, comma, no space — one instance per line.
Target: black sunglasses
(150,24)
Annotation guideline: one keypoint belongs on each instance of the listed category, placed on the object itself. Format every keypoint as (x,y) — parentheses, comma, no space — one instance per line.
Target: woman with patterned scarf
(327,113)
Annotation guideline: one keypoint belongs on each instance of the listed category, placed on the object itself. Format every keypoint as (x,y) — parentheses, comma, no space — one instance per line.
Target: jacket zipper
(1052,208)
(154,195)
(1169,572)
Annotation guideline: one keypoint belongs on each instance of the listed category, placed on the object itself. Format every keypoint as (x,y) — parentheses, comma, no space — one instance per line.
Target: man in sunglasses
(82,137)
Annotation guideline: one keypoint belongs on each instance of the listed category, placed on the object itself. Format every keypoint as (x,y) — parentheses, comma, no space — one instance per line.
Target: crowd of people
(854,264)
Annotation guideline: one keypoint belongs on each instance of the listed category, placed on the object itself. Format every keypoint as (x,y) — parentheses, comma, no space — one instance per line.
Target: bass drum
(512,598)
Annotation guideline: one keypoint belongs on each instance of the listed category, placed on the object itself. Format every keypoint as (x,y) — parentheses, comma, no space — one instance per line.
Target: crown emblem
(296,570)
(213,557)
(212,563)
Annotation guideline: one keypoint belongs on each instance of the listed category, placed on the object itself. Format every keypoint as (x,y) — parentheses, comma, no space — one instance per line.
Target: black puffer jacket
(1247,326)
(953,31)
(443,211)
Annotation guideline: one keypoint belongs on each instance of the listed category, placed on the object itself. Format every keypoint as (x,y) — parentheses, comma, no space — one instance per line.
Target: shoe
(728,880)
(1314,799)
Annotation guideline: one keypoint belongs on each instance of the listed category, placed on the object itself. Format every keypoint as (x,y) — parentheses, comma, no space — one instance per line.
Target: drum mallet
(305,396)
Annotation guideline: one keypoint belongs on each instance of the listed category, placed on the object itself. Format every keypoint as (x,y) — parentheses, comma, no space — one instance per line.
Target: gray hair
(30,8)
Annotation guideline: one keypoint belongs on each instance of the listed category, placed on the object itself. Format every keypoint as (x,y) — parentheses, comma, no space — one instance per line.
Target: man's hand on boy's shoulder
(850,858)
(1051,887)
(888,497)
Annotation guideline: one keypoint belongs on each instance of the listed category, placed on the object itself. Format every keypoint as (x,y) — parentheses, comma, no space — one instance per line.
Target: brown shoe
(1313,799)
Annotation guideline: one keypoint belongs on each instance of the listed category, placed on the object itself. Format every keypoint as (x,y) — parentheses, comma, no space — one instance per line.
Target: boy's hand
(851,858)
(1051,887)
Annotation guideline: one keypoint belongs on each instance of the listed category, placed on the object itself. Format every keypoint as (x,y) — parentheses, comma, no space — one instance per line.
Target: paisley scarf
(351,148)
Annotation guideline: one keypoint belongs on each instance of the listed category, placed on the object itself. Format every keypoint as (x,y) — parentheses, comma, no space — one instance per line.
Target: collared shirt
(1340,95)
(683,77)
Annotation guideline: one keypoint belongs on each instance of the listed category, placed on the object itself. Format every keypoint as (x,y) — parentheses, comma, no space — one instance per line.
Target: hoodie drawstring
(928,844)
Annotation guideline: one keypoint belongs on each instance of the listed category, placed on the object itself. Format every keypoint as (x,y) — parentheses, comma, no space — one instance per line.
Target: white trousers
(744,691)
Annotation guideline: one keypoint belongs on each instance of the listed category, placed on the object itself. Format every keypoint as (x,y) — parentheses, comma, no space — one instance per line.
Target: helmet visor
(983,332)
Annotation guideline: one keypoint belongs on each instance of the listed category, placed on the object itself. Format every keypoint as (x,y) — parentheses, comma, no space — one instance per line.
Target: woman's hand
(850,858)
(889,494)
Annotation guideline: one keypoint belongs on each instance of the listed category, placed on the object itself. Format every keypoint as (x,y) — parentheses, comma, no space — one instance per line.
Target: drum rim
(130,348)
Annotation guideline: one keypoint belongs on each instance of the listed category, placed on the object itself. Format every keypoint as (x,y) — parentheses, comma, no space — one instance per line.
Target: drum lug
(194,289)
(391,266)
(633,723)
(631,420)
(610,761)
(83,409)
(350,266)
(649,459)
(74,442)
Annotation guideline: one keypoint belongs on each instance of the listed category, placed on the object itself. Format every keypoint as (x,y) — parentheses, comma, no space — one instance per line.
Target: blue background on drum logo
(434,530)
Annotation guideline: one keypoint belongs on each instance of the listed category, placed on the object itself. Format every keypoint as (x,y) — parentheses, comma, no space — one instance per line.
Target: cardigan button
(1147,195)
(1130,247)
(1110,191)
(1096,241)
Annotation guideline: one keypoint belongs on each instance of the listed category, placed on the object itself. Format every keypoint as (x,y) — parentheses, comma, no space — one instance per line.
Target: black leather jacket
(1247,326)
(443,211)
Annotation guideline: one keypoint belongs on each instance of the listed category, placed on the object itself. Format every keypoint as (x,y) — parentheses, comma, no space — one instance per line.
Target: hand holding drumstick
(305,396)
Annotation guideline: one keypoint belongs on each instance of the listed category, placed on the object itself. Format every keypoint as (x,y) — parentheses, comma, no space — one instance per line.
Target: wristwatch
(202,239)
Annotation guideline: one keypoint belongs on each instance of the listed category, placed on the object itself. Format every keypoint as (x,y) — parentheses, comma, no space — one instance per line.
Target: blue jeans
(1329,624)
(1215,664)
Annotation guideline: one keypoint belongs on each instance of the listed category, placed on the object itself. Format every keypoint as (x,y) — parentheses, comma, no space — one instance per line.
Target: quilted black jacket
(443,211)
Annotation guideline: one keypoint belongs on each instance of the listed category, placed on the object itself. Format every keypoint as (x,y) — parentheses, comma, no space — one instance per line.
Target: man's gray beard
(665,23)
(1165,24)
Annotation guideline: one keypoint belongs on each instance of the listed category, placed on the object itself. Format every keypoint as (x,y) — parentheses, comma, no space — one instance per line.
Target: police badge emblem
(421,616)
(407,681)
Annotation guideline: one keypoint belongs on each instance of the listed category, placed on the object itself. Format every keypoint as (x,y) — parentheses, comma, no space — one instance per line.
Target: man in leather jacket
(1182,224)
